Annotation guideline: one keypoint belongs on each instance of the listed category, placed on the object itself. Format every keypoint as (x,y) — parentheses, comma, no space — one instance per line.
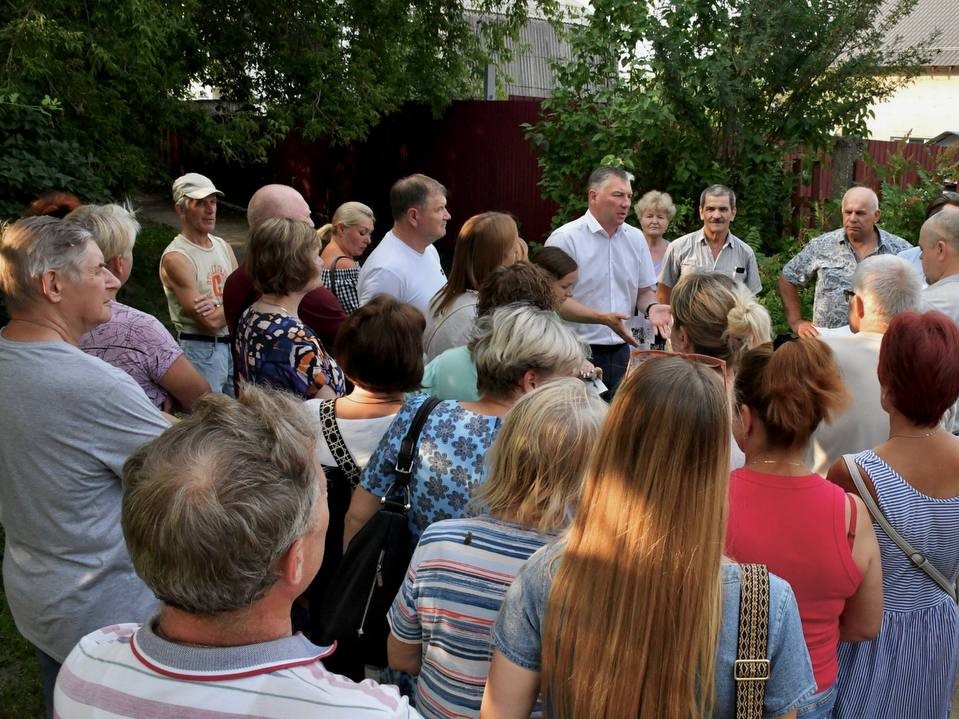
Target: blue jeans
(49,669)
(818,706)
(213,360)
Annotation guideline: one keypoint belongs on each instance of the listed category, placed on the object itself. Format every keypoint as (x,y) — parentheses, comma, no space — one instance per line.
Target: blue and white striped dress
(908,670)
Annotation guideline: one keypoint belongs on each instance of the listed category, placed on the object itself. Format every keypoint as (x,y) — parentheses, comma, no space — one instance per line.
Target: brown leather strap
(751,669)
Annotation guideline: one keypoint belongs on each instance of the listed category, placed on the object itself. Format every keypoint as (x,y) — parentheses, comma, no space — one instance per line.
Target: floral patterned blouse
(449,462)
(278,350)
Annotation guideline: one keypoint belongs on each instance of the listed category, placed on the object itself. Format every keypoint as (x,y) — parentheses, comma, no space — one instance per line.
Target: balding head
(277,201)
(860,213)
(939,242)
(862,195)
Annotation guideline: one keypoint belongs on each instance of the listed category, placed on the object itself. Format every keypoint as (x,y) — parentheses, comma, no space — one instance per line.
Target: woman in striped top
(909,669)
(444,611)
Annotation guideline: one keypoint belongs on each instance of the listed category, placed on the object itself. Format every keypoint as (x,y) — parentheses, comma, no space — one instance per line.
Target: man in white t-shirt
(225,518)
(939,241)
(883,286)
(616,276)
(405,264)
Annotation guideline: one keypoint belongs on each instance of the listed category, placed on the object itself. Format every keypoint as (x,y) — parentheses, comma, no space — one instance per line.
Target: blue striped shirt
(453,591)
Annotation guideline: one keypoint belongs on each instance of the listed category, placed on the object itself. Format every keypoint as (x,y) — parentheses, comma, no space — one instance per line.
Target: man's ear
(51,285)
(413,216)
(858,306)
(291,563)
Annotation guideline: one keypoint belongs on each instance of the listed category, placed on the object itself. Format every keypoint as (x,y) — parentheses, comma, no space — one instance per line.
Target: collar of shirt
(592,224)
(701,239)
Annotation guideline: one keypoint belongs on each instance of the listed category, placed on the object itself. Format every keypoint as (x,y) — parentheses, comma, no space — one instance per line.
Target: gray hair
(717,191)
(888,285)
(114,227)
(516,338)
(873,197)
(212,504)
(945,228)
(32,246)
(599,176)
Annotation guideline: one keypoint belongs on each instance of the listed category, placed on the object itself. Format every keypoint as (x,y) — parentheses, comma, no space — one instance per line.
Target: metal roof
(927,17)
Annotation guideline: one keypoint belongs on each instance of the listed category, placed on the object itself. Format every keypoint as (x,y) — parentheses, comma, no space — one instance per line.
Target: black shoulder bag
(373,567)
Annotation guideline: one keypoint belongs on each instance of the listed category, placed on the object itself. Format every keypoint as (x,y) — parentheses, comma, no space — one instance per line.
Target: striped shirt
(127,670)
(453,591)
(907,671)
(691,253)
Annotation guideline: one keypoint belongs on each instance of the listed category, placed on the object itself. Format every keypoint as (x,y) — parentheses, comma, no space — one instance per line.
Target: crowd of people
(744,525)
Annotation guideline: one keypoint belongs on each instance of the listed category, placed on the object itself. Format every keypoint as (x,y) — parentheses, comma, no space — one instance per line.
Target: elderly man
(193,269)
(225,516)
(405,264)
(939,240)
(319,309)
(616,277)
(68,422)
(882,287)
(713,248)
(832,259)
(945,202)
(135,341)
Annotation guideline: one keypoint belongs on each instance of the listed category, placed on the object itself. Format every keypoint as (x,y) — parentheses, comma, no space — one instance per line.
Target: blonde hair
(638,586)
(114,227)
(656,200)
(720,316)
(537,461)
(349,214)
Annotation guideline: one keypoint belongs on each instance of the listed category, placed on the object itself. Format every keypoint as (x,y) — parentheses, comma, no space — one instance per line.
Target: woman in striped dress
(442,616)
(909,669)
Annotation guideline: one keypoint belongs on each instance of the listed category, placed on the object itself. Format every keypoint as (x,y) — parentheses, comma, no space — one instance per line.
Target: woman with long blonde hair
(635,613)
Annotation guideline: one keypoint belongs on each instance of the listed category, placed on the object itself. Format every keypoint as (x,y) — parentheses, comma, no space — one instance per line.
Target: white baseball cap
(194,186)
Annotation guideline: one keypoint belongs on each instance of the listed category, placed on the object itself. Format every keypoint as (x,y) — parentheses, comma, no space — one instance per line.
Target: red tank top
(796,526)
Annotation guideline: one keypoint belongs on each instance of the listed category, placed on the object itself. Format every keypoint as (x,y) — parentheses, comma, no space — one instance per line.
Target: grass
(21,695)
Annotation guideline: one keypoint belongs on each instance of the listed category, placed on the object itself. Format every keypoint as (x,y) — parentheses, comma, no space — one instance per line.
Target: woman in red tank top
(804,528)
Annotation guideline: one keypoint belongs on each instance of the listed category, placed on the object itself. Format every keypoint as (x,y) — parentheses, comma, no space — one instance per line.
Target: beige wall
(927,106)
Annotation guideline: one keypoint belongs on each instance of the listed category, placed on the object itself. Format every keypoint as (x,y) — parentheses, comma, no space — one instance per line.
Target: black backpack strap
(332,287)
(404,461)
(334,440)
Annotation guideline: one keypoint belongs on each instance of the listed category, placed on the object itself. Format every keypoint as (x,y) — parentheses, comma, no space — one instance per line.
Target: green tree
(687,93)
(113,74)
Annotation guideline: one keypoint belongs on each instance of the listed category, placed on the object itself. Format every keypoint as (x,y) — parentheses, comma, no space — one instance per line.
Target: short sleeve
(800,268)
(378,280)
(669,274)
(403,617)
(518,629)
(379,473)
(563,241)
(790,672)
(753,281)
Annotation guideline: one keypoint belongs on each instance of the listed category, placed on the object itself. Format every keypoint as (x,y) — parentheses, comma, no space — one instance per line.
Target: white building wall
(924,108)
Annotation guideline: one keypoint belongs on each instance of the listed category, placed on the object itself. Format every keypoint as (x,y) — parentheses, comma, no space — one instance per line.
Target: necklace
(777,461)
(921,435)
(275,304)
(384,400)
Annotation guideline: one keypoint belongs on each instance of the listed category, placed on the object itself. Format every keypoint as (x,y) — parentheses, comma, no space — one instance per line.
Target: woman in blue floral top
(515,349)
(273,347)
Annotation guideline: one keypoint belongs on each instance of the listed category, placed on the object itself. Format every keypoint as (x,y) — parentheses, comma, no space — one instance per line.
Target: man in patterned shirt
(832,258)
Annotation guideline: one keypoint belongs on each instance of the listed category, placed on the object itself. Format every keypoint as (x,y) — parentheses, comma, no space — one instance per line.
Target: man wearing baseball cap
(193,269)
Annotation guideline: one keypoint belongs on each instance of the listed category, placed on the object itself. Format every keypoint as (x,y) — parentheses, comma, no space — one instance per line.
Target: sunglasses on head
(638,357)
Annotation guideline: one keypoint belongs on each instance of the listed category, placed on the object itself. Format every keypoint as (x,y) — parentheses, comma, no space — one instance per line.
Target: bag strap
(404,460)
(916,557)
(334,440)
(332,269)
(751,669)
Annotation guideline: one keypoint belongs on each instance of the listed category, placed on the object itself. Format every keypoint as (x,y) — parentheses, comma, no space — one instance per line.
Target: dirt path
(230,219)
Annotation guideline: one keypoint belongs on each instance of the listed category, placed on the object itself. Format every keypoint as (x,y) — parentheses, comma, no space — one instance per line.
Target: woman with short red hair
(908,669)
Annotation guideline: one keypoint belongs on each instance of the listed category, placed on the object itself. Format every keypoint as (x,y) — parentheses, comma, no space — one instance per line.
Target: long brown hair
(634,611)
(484,243)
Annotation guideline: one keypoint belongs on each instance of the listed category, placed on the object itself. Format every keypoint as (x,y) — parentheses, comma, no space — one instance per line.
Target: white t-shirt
(452,327)
(361,435)
(612,270)
(394,268)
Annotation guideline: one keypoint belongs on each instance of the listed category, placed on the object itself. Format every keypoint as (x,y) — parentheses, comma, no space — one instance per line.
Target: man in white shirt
(405,264)
(883,286)
(939,242)
(616,277)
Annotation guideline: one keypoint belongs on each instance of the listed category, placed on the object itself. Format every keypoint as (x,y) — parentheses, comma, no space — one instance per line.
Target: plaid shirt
(830,258)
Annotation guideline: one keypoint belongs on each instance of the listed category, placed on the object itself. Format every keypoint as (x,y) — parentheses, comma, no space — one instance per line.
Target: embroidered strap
(334,440)
(751,669)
